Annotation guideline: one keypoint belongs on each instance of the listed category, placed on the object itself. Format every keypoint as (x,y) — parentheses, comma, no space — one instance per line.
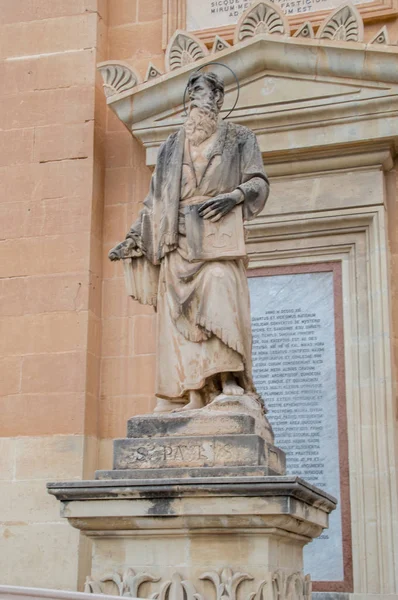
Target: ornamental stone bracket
(288,86)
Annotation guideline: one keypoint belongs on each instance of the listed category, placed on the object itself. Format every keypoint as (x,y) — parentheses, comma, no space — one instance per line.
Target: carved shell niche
(183,49)
(261,17)
(344,24)
(117,77)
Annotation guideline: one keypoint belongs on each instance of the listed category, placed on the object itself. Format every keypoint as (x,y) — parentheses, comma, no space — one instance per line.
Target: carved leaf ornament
(262,17)
(344,24)
(276,585)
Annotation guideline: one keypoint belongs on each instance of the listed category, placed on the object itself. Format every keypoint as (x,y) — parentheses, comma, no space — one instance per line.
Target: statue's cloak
(203,308)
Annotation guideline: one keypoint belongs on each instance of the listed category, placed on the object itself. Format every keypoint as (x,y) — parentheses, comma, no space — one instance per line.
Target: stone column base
(239,538)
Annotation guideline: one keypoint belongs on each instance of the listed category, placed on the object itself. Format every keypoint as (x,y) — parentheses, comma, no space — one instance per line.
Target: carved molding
(174,17)
(184,49)
(344,24)
(219,45)
(261,17)
(276,585)
(117,77)
(305,31)
(381,37)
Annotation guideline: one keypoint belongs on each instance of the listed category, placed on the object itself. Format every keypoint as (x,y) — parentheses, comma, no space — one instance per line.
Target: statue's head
(206,90)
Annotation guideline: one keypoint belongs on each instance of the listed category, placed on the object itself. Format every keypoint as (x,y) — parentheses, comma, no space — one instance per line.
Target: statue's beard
(201,124)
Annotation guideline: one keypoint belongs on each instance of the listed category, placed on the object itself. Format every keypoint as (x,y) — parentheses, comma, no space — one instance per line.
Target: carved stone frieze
(117,77)
(261,17)
(183,49)
(276,585)
(344,24)
(127,584)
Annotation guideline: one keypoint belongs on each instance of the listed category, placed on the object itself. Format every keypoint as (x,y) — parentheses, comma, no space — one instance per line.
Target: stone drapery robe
(203,308)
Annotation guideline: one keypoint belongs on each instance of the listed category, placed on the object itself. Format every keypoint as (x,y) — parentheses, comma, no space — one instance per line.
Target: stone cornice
(299,56)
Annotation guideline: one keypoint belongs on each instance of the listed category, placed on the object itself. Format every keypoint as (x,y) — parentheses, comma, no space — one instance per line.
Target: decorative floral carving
(177,589)
(344,24)
(152,72)
(306,31)
(261,17)
(219,45)
(128,584)
(381,37)
(227,583)
(117,77)
(276,585)
(183,49)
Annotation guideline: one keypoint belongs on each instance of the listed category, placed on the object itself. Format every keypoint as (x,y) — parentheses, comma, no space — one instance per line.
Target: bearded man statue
(184,253)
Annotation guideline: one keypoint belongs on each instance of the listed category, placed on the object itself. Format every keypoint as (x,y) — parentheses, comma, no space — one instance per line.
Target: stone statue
(185,253)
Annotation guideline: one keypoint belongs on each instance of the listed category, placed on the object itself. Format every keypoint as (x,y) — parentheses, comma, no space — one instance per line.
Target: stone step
(195,451)
(158,425)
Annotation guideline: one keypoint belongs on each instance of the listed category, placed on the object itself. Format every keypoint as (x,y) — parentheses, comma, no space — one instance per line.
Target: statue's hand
(216,208)
(123,249)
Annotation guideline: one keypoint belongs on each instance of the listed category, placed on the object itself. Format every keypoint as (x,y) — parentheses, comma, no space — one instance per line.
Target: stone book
(224,239)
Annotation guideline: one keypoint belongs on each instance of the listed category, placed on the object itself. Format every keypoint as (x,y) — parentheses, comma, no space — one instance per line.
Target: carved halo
(183,49)
(261,17)
(118,77)
(344,24)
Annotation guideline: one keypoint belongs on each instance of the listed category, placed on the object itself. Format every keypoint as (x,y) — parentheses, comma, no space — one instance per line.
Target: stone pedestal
(196,508)
(206,443)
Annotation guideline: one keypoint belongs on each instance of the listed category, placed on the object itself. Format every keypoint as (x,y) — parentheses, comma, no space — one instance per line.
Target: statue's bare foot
(195,401)
(229,385)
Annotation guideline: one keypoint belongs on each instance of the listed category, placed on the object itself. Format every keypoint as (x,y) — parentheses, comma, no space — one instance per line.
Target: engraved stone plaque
(294,368)
(208,14)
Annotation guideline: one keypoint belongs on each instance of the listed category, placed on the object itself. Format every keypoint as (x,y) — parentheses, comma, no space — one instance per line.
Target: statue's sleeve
(141,230)
(255,184)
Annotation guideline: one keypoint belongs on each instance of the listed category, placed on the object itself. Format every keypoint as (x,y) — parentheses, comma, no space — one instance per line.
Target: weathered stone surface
(150,426)
(193,452)
(275,467)
(209,178)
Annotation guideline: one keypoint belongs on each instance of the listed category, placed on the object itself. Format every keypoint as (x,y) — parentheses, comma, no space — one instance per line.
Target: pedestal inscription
(216,13)
(203,451)
(294,360)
